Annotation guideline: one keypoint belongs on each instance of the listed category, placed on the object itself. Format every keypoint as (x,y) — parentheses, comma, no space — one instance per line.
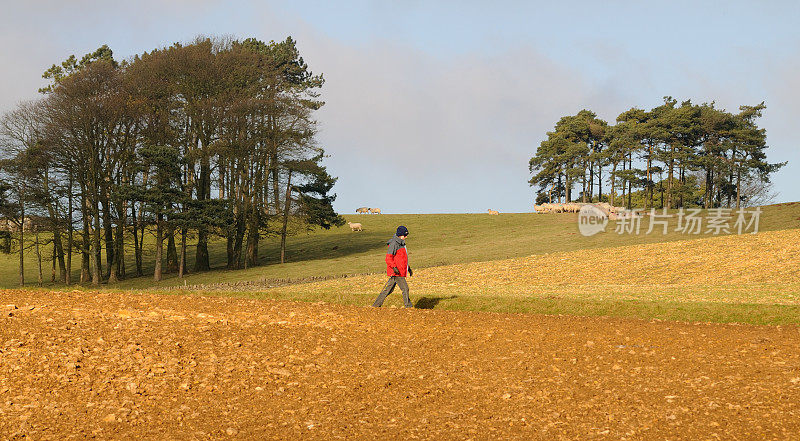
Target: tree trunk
(730,176)
(738,187)
(97,268)
(119,246)
(201,256)
(630,183)
(253,233)
(624,163)
(583,194)
(182,262)
(221,167)
(38,255)
(58,249)
(85,252)
(138,222)
(670,175)
(137,251)
(108,234)
(230,253)
(68,278)
(286,208)
(599,181)
(613,189)
(142,226)
(159,248)
(252,245)
(649,191)
(172,253)
(238,241)
(123,270)
(599,178)
(53,262)
(58,254)
(275,190)
(22,240)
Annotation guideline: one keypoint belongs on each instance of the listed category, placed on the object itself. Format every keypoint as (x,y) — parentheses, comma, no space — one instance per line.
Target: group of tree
(674,155)
(215,138)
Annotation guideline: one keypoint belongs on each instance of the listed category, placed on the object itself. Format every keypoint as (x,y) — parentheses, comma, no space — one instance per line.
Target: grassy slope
(436,239)
(748,278)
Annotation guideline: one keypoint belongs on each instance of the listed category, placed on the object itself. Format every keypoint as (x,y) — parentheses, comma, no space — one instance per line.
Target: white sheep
(362,210)
(355,226)
(375,210)
(492,212)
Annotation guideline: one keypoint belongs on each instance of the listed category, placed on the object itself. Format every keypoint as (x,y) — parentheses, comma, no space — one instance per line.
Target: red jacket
(396,257)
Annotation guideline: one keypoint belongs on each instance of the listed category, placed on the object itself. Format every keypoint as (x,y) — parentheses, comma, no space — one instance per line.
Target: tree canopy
(674,155)
(216,137)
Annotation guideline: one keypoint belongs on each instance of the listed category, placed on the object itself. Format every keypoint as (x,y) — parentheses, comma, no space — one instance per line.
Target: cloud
(465,124)
(781,118)
(442,125)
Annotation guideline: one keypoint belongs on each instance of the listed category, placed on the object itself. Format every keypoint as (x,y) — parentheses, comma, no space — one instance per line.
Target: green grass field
(435,240)
(445,239)
(555,304)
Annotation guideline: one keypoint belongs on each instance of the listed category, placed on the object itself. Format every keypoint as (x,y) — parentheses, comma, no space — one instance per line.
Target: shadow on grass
(302,248)
(315,247)
(431,302)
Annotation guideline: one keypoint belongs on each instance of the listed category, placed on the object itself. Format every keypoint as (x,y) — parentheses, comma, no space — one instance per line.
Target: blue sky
(437,106)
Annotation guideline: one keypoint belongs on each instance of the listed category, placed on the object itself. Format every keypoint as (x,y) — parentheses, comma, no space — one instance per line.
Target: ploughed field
(110,365)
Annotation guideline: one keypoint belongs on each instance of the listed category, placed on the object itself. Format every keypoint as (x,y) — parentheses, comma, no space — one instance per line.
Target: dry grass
(757,268)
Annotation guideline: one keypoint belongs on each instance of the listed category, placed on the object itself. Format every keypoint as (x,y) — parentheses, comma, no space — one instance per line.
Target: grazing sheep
(574,207)
(492,212)
(362,210)
(375,210)
(355,226)
(605,206)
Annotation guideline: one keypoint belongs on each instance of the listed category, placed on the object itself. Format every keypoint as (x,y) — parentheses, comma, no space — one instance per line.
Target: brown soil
(128,366)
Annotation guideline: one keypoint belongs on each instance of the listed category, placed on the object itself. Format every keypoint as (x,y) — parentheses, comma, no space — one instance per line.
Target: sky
(437,106)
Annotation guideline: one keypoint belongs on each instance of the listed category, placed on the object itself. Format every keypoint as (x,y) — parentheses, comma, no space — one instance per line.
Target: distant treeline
(215,137)
(675,155)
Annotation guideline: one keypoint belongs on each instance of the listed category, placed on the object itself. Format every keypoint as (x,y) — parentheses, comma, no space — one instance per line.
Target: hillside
(436,239)
(751,278)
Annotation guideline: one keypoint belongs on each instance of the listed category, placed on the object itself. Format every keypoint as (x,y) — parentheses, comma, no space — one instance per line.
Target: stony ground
(131,366)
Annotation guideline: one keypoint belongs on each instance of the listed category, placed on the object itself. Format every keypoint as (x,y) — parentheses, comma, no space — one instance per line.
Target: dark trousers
(394,281)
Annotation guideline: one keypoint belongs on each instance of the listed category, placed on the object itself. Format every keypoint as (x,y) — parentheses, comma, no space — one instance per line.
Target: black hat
(402,231)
